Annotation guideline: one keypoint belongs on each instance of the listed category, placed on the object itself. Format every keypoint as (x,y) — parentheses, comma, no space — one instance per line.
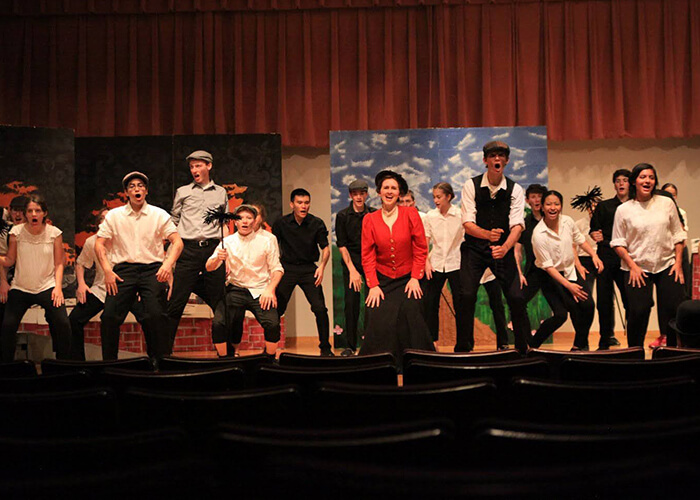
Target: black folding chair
(288,359)
(95,367)
(673,352)
(46,383)
(22,368)
(377,374)
(423,372)
(555,358)
(596,370)
(460,358)
(214,379)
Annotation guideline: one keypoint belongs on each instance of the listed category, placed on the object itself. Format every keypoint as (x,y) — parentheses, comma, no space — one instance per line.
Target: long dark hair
(638,169)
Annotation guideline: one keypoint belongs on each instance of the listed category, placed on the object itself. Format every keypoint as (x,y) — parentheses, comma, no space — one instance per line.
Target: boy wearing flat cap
(253,273)
(492,216)
(348,233)
(136,264)
(189,208)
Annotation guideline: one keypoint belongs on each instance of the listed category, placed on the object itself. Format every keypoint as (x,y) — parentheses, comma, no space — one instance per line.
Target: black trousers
(137,279)
(669,294)
(353,305)
(190,276)
(587,263)
(562,302)
(535,277)
(239,300)
(474,263)
(304,278)
(606,282)
(493,290)
(83,313)
(17,304)
(432,301)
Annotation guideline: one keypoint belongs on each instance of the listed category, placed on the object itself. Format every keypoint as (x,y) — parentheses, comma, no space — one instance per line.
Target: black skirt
(397,323)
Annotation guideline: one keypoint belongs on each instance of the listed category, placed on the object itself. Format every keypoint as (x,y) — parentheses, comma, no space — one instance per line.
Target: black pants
(17,304)
(535,277)
(304,277)
(432,301)
(190,276)
(239,300)
(493,290)
(587,263)
(83,313)
(611,276)
(137,279)
(474,263)
(669,294)
(353,305)
(561,301)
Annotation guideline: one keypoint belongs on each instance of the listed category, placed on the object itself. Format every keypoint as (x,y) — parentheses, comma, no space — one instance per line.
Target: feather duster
(585,201)
(219,216)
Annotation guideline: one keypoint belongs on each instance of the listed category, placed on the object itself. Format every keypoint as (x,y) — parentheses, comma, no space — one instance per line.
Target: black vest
(491,213)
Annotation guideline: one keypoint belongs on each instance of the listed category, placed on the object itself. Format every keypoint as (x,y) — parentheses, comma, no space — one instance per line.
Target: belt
(202,243)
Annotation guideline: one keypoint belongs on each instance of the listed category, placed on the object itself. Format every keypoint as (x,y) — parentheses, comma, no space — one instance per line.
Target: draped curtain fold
(586,69)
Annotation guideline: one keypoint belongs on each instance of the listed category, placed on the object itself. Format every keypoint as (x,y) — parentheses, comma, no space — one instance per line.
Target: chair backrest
(399,442)
(460,358)
(509,441)
(46,383)
(310,361)
(248,363)
(377,374)
(346,404)
(555,358)
(59,413)
(214,379)
(423,372)
(673,352)
(586,369)
(145,408)
(65,365)
(558,401)
(23,368)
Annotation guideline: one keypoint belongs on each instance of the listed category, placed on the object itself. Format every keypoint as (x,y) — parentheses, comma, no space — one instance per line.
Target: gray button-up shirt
(190,206)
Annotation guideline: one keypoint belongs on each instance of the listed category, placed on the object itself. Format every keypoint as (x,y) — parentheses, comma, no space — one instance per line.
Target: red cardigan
(393,253)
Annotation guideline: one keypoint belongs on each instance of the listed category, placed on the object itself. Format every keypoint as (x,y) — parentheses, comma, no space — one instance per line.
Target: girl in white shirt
(443,229)
(553,242)
(649,238)
(36,250)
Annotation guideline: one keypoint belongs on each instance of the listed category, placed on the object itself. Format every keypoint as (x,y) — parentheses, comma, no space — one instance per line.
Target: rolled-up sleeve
(517,207)
(105,230)
(679,234)
(576,235)
(341,233)
(543,258)
(619,232)
(468,202)
(273,257)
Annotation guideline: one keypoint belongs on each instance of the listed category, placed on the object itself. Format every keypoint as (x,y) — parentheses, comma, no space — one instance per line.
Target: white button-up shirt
(87,259)
(251,260)
(446,234)
(649,230)
(137,237)
(557,249)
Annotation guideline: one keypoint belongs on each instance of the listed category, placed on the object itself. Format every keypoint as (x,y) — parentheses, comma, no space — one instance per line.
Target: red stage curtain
(587,69)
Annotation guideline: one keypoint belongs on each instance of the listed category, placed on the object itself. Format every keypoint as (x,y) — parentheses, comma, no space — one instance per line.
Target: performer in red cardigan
(394,250)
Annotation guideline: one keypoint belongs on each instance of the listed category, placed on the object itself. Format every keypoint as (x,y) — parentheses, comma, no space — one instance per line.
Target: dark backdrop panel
(41,160)
(102,162)
(249,166)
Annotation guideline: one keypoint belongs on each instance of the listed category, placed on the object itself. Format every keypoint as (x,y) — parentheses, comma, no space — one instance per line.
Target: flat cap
(245,207)
(201,155)
(132,175)
(495,147)
(358,185)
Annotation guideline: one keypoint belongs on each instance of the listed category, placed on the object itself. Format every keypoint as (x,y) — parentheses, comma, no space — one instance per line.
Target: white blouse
(87,259)
(584,225)
(446,233)
(557,249)
(649,230)
(34,268)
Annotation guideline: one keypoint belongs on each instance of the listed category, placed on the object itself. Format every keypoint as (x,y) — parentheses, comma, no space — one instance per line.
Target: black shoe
(347,352)
(603,347)
(502,347)
(613,341)
(327,352)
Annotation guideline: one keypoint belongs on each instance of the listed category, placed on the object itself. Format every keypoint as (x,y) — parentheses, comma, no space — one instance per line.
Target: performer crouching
(553,242)
(136,232)
(253,273)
